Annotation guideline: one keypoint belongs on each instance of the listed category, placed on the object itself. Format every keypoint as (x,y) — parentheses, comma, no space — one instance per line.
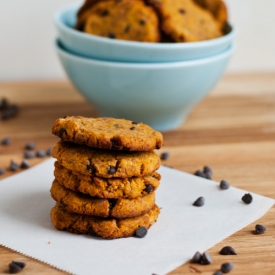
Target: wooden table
(232,130)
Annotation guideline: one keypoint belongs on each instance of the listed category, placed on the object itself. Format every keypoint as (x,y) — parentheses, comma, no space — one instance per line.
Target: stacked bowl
(154,83)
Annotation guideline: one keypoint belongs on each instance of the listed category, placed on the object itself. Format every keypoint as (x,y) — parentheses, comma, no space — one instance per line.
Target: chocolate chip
(14,268)
(90,168)
(6,141)
(228,250)
(49,152)
(224,185)
(164,155)
(2,171)
(92,232)
(142,22)
(127,28)
(207,176)
(182,11)
(40,154)
(149,188)
(104,13)
(112,170)
(65,117)
(199,173)
(112,203)
(133,122)
(30,146)
(112,35)
(132,128)
(218,273)
(141,232)
(21,264)
(226,267)
(13,166)
(25,164)
(247,198)
(115,143)
(206,258)
(4,104)
(207,169)
(28,155)
(260,229)
(196,258)
(199,201)
(61,132)
(11,111)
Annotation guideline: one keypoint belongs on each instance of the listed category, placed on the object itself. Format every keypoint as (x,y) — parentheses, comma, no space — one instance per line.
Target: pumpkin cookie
(83,204)
(185,21)
(105,163)
(221,16)
(106,228)
(108,133)
(211,5)
(114,188)
(125,19)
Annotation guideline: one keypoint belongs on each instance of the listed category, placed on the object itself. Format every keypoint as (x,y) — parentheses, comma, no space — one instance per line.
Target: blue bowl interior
(101,48)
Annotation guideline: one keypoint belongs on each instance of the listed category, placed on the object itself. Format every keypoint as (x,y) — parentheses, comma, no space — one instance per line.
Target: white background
(27,34)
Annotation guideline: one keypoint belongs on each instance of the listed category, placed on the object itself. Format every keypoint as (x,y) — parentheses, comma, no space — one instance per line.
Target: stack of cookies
(105,177)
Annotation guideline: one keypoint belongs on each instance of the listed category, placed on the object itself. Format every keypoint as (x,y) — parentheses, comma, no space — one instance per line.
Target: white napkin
(181,229)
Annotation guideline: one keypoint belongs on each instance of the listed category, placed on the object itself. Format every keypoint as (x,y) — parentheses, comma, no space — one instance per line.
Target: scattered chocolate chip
(224,185)
(14,268)
(208,170)
(111,170)
(141,232)
(6,141)
(13,166)
(104,13)
(247,198)
(3,104)
(164,155)
(112,203)
(132,128)
(228,250)
(11,111)
(196,258)
(218,273)
(49,152)
(2,171)
(199,173)
(112,35)
(127,28)
(206,258)
(149,188)
(61,132)
(30,146)
(25,164)
(208,176)
(260,229)
(90,168)
(21,264)
(142,22)
(199,201)
(28,155)
(226,267)
(182,11)
(133,122)
(40,154)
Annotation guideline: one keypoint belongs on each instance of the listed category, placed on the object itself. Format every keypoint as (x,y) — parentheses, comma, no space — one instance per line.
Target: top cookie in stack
(105,175)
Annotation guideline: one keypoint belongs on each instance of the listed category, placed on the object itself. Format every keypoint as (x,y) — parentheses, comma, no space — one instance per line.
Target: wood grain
(232,130)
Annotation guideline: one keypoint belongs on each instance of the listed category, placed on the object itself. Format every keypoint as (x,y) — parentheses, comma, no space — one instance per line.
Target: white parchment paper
(180,231)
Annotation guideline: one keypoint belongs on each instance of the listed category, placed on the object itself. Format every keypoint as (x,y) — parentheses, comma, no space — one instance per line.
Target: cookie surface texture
(108,133)
(185,21)
(105,163)
(118,208)
(106,228)
(113,188)
(125,19)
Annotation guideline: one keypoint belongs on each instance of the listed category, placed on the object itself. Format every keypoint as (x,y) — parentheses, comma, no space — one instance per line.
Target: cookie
(221,16)
(105,163)
(114,188)
(211,5)
(108,133)
(106,228)
(83,204)
(125,19)
(185,21)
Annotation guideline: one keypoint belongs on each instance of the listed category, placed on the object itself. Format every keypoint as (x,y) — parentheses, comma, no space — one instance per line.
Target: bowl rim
(138,65)
(145,45)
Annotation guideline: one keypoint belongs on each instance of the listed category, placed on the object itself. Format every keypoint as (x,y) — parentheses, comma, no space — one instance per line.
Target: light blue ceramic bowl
(159,94)
(101,48)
